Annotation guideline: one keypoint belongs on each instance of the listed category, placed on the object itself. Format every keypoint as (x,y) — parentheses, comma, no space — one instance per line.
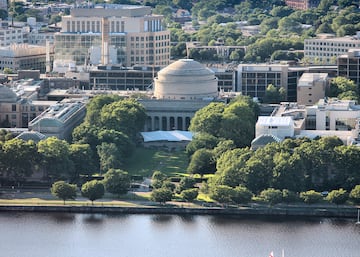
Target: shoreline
(308,211)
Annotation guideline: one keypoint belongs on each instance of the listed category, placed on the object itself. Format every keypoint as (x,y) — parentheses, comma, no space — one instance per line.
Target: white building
(325,48)
(280,127)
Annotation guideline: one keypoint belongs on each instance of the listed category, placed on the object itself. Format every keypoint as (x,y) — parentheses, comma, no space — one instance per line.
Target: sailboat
(358,218)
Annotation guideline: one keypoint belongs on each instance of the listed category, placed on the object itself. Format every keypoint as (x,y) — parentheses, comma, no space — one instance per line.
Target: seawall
(303,211)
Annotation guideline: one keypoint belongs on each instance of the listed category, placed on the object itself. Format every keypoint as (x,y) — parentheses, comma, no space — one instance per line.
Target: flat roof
(274,121)
(170,136)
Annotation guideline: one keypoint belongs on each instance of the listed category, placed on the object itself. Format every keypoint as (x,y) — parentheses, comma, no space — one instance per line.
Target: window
(13,107)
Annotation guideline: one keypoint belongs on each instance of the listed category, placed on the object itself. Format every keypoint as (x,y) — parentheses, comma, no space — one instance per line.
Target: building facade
(113,34)
(302,4)
(311,88)
(25,57)
(12,35)
(349,65)
(326,48)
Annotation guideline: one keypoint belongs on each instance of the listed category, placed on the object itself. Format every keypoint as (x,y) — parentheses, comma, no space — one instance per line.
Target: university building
(113,34)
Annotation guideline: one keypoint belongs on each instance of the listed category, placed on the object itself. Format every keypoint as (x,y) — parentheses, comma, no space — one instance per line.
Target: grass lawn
(145,161)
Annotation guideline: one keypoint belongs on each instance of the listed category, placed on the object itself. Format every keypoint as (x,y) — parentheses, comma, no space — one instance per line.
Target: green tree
(117,181)
(19,158)
(55,158)
(157,180)
(190,194)
(355,194)
(81,156)
(311,197)
(202,162)
(289,196)
(337,196)
(271,195)
(185,183)
(201,141)
(127,116)
(93,190)
(109,155)
(161,195)
(242,195)
(63,190)
(223,194)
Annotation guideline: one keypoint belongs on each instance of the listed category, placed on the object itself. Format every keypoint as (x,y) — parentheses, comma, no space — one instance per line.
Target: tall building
(349,65)
(326,48)
(302,4)
(113,34)
(311,88)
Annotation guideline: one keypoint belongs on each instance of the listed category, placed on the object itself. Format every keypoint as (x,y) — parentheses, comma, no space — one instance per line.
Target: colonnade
(167,123)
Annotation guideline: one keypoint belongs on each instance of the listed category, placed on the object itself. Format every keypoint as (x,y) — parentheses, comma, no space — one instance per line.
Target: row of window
(321,43)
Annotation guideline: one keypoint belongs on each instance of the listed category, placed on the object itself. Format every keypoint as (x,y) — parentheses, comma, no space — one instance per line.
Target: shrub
(271,195)
(311,196)
(355,194)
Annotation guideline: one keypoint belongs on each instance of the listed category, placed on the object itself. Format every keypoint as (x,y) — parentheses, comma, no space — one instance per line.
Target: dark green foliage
(338,196)
(184,184)
(242,195)
(189,195)
(223,194)
(161,195)
(355,194)
(271,196)
(93,190)
(63,190)
(311,197)
(289,196)
(157,179)
(117,181)
(202,162)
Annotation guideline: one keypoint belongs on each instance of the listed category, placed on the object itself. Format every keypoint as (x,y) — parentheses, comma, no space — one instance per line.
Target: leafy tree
(346,161)
(63,190)
(190,194)
(272,94)
(81,156)
(117,181)
(93,190)
(127,116)
(202,162)
(338,196)
(222,147)
(157,179)
(94,108)
(201,141)
(185,183)
(242,195)
(110,157)
(271,195)
(355,194)
(311,196)
(55,156)
(223,194)
(289,196)
(231,168)
(161,195)
(341,87)
(19,158)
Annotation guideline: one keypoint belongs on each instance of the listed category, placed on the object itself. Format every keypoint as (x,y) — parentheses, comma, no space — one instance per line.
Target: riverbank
(308,211)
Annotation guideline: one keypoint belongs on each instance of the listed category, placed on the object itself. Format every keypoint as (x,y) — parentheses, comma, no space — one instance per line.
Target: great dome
(185,79)
(7,95)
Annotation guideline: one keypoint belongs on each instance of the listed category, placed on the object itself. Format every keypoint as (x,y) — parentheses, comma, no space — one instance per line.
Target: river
(99,235)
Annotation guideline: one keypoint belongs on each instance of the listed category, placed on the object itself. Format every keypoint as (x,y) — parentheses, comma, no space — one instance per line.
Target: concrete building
(302,4)
(311,88)
(19,105)
(12,35)
(24,57)
(113,34)
(252,79)
(349,65)
(325,48)
(60,119)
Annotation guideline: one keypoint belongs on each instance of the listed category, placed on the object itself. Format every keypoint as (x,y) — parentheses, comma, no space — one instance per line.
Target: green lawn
(145,161)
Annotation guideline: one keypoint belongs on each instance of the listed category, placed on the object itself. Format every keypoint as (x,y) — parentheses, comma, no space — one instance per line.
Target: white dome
(185,79)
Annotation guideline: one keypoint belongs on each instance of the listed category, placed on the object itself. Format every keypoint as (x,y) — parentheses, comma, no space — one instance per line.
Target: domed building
(180,90)
(185,79)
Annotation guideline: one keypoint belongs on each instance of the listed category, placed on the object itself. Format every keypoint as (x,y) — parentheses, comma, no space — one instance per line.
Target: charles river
(99,235)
